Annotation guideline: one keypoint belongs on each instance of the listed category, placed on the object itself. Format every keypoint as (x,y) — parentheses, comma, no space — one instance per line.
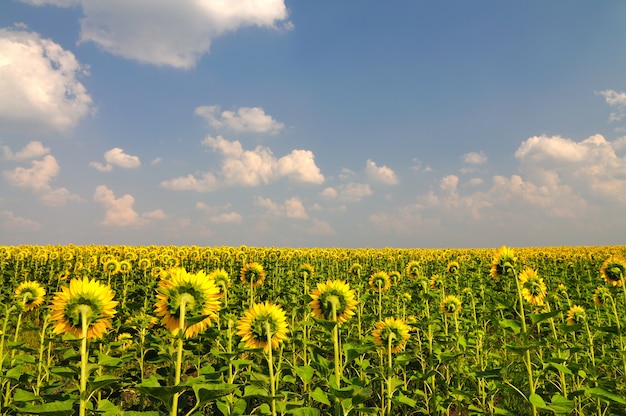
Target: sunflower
(601,295)
(125,266)
(112,266)
(394,328)
(395,276)
(413,269)
(144,264)
(252,273)
(503,262)
(337,292)
(305,268)
(83,294)
(252,329)
(533,288)
(453,267)
(576,315)
(380,281)
(221,279)
(613,270)
(30,295)
(355,270)
(451,305)
(199,294)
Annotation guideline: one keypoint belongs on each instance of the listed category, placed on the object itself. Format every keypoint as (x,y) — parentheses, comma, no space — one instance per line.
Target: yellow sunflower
(451,305)
(252,329)
(601,295)
(576,315)
(355,270)
(305,270)
(333,292)
(533,288)
(221,279)
(503,262)
(252,273)
(81,294)
(453,267)
(199,294)
(413,269)
(30,295)
(394,328)
(112,266)
(613,270)
(380,281)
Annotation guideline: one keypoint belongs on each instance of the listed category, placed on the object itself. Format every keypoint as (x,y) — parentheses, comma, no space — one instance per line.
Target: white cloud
(245,119)
(380,174)
(474,158)
(119,211)
(617,100)
(218,217)
(291,208)
(354,192)
(19,223)
(32,150)
(37,178)
(39,84)
(320,227)
(116,157)
(165,32)
(329,193)
(250,168)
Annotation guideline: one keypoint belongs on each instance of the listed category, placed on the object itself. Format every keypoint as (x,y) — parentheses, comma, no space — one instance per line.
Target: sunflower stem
(527,361)
(179,353)
(84,359)
(337,358)
(270,364)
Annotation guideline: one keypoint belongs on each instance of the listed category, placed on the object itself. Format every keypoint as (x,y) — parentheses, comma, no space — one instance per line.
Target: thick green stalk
(179,353)
(84,359)
(270,364)
(527,361)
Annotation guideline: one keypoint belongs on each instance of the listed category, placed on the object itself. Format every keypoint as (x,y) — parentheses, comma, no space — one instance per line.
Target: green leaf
(401,398)
(101,382)
(561,405)
(510,325)
(562,368)
(163,393)
(304,411)
(537,401)
(59,408)
(503,412)
(209,392)
(21,396)
(540,317)
(609,396)
(320,396)
(305,372)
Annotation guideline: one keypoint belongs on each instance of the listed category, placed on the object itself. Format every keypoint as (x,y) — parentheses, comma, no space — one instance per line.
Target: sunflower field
(188,330)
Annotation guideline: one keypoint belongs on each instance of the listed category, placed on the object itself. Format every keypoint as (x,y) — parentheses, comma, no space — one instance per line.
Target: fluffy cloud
(218,217)
(320,227)
(39,84)
(32,150)
(116,157)
(348,192)
(250,168)
(245,119)
(37,178)
(380,174)
(119,212)
(291,208)
(164,32)
(474,158)
(19,223)
(617,100)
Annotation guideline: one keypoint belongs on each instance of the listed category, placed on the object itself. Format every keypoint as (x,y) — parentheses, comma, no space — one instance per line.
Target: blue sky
(313,123)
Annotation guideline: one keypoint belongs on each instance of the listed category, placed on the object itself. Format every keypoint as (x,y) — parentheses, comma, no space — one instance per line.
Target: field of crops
(164,330)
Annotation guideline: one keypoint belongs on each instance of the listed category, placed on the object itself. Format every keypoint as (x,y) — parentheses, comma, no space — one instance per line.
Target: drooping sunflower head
(221,279)
(253,274)
(199,295)
(576,315)
(305,271)
(395,276)
(261,323)
(453,267)
(112,266)
(451,305)
(30,295)
(413,269)
(503,263)
(83,296)
(613,270)
(393,332)
(436,281)
(601,295)
(356,270)
(333,293)
(532,286)
(125,266)
(380,281)
(144,263)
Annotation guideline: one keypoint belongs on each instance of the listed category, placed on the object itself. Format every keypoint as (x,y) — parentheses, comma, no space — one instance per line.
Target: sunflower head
(333,294)
(125,266)
(380,281)
(601,295)
(393,332)
(30,295)
(83,296)
(199,295)
(305,271)
(451,305)
(395,276)
(221,279)
(613,270)
(413,269)
(453,267)
(144,263)
(503,263)
(112,266)
(355,270)
(576,315)
(532,286)
(261,323)
(253,274)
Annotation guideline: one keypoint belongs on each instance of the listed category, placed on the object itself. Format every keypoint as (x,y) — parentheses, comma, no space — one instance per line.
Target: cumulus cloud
(245,119)
(163,32)
(291,208)
(380,174)
(116,157)
(321,227)
(248,168)
(19,223)
(32,150)
(38,178)
(216,215)
(119,212)
(616,100)
(474,158)
(39,84)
